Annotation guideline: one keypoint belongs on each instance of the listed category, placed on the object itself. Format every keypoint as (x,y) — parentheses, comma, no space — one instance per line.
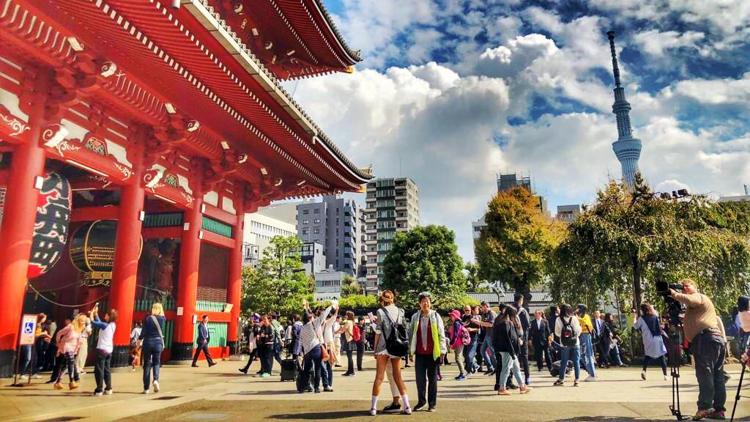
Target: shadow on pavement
(322,415)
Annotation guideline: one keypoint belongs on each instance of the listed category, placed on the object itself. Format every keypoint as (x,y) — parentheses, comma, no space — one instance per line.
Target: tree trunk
(637,291)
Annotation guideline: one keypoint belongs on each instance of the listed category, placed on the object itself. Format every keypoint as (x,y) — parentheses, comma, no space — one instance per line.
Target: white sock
(374,402)
(405,401)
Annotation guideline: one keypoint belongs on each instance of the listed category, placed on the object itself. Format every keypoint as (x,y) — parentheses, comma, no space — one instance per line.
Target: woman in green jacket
(427,345)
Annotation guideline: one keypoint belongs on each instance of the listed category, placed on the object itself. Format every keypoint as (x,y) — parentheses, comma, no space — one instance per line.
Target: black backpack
(397,342)
(567,335)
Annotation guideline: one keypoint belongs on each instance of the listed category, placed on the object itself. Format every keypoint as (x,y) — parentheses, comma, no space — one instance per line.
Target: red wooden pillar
(234,286)
(127,254)
(19,216)
(187,290)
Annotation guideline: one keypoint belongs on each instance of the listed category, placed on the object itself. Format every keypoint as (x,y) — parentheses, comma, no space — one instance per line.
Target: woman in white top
(83,352)
(329,330)
(104,347)
(388,316)
(311,340)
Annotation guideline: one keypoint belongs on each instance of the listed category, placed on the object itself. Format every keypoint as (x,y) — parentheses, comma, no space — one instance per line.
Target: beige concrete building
(392,205)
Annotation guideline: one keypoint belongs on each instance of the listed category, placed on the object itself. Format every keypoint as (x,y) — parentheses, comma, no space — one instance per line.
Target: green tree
(474,282)
(627,240)
(517,241)
(424,259)
(279,283)
(350,286)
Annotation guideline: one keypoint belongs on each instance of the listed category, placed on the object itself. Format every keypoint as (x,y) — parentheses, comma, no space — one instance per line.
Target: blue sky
(451,92)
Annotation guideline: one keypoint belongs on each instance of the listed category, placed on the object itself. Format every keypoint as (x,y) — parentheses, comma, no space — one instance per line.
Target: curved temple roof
(292,38)
(222,30)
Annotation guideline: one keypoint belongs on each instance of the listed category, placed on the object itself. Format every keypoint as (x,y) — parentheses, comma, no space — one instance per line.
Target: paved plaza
(222,393)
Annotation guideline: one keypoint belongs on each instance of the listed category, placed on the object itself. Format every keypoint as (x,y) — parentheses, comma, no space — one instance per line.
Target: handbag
(325,356)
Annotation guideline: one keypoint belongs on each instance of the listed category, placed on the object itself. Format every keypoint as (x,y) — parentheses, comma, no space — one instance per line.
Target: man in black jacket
(202,343)
(523,316)
(539,333)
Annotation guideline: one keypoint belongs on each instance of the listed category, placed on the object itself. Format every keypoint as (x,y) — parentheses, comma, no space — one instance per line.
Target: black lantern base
(120,357)
(7,362)
(181,351)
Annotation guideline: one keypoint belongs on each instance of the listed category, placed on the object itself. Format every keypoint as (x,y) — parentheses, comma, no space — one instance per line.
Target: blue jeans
(25,360)
(587,353)
(151,359)
(328,374)
(510,365)
(488,353)
(469,352)
(311,363)
(572,354)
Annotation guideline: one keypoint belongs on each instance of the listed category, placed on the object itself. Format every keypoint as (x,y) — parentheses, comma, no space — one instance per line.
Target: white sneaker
(590,379)
(107,392)
(156,386)
(373,412)
(146,391)
(665,377)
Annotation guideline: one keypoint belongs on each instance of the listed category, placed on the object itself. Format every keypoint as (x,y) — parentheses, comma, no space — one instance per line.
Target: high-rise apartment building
(333,223)
(392,206)
(568,213)
(260,228)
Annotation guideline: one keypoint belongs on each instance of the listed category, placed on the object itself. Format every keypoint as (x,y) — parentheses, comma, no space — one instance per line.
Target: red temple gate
(170,123)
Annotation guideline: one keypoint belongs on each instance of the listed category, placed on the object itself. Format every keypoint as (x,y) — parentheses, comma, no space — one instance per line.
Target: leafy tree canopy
(517,241)
(627,240)
(424,259)
(279,283)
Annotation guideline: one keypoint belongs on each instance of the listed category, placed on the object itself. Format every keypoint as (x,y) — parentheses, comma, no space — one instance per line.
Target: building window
(316,221)
(305,212)
(316,230)
(304,232)
(316,211)
(305,221)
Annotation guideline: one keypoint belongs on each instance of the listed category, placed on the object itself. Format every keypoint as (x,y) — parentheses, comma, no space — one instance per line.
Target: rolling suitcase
(288,369)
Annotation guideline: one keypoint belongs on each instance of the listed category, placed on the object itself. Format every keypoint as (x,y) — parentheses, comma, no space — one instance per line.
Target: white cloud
(436,122)
(656,43)
(714,91)
(424,122)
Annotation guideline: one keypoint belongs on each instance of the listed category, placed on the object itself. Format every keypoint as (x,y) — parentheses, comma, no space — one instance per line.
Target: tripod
(739,387)
(674,357)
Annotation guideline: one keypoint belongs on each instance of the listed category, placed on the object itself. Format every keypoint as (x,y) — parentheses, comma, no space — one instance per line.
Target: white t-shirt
(328,330)
(105,342)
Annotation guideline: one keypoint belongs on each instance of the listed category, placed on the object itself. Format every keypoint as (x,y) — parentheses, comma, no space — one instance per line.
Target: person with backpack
(352,335)
(391,343)
(507,345)
(427,345)
(653,343)
(459,338)
(568,330)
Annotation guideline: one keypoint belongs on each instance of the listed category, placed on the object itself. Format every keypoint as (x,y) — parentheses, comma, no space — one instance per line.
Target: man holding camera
(708,346)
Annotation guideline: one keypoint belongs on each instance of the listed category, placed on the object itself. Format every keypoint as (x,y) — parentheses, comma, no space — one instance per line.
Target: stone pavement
(222,393)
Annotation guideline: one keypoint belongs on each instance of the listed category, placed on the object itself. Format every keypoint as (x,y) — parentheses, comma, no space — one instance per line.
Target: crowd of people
(565,340)
(480,340)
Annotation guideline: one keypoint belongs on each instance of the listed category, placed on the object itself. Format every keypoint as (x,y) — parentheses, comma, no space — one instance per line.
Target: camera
(674,308)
